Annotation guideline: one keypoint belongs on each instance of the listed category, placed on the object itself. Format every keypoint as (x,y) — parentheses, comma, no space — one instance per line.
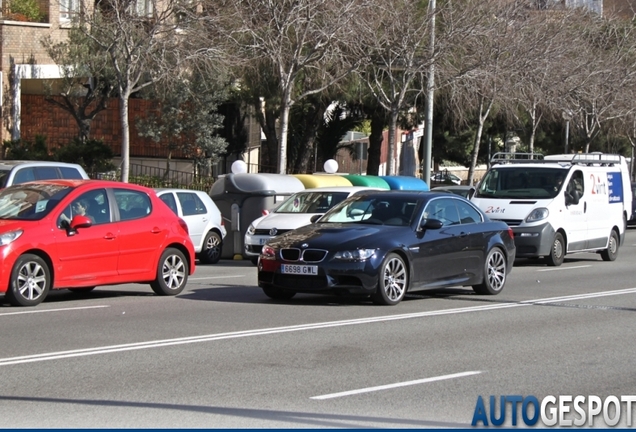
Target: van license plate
(299,269)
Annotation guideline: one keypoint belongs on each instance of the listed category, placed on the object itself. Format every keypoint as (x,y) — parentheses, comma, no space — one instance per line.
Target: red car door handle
(155,230)
(109,236)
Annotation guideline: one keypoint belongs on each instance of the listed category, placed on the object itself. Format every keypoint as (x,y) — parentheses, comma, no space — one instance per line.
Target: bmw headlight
(9,237)
(355,255)
(537,215)
(251,230)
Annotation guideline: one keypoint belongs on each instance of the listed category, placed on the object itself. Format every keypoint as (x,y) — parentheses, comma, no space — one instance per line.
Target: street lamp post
(567,116)
(430,88)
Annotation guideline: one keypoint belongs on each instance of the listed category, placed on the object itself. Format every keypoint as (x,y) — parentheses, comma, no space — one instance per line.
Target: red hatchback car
(78,234)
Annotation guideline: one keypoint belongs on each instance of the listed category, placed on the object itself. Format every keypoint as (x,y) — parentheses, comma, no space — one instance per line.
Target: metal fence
(156,177)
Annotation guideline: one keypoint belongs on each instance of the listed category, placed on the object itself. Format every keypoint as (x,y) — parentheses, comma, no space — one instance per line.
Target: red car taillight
(183,225)
(511,233)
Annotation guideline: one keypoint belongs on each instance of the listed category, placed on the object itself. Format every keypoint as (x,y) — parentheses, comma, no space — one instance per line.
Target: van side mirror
(571,198)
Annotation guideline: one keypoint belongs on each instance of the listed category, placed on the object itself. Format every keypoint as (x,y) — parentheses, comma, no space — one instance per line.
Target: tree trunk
(392,144)
(483,115)
(307,146)
(125,137)
(282,144)
(374,152)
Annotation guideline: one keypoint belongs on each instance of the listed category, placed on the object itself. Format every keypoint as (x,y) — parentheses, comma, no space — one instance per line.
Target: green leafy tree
(187,118)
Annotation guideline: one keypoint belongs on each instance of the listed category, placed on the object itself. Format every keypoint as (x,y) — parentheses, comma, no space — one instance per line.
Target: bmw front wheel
(494,273)
(393,281)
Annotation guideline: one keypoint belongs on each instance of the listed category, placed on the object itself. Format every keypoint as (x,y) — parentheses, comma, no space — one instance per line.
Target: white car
(445,177)
(204,220)
(294,212)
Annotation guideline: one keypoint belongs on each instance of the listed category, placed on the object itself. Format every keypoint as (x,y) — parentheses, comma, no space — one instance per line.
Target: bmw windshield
(373,209)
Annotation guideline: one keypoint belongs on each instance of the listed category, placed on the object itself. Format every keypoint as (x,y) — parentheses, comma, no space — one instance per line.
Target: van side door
(576,211)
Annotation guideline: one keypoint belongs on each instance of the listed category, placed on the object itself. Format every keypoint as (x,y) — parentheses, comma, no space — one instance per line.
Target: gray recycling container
(243,197)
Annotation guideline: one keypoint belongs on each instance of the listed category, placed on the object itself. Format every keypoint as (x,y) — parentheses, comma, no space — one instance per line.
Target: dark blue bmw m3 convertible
(386,243)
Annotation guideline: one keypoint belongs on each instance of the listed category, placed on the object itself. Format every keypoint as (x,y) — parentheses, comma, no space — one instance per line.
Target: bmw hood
(283,221)
(337,236)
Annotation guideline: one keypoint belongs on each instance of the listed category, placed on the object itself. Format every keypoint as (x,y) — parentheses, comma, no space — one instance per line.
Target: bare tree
(395,36)
(300,41)
(548,50)
(143,46)
(478,70)
(86,83)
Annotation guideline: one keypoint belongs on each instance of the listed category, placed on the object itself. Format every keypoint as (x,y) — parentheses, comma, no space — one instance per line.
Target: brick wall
(40,117)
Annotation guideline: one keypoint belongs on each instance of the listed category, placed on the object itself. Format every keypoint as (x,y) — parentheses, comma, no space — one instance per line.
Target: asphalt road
(222,355)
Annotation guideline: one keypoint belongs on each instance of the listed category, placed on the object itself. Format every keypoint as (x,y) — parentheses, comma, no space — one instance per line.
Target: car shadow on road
(293,418)
(585,258)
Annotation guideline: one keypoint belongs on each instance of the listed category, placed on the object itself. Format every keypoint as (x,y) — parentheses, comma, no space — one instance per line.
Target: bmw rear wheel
(211,250)
(172,273)
(494,273)
(30,281)
(393,281)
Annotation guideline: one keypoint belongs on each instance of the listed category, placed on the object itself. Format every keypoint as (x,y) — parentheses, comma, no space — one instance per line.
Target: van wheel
(557,251)
(611,252)
(172,273)
(30,281)
(211,251)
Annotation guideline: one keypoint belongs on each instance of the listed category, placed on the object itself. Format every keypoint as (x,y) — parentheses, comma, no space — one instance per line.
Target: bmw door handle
(463,234)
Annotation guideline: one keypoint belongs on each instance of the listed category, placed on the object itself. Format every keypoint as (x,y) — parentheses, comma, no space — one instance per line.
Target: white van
(561,204)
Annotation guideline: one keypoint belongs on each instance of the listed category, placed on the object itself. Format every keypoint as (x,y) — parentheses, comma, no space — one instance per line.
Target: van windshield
(522,182)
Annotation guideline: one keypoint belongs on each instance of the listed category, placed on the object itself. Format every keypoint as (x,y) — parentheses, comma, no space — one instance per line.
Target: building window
(69,9)
(144,7)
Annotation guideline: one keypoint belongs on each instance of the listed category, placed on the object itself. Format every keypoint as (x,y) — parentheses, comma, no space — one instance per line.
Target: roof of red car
(74,183)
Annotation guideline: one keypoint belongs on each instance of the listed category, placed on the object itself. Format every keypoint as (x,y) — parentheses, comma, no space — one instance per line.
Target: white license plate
(299,269)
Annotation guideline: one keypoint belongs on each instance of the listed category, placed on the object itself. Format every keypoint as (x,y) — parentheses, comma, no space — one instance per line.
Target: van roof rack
(595,158)
(506,157)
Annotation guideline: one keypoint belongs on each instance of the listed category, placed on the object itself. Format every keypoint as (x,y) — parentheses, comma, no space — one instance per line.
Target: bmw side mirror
(431,224)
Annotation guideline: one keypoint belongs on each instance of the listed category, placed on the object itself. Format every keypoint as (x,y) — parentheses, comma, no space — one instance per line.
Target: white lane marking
(52,310)
(289,329)
(395,385)
(216,277)
(564,268)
